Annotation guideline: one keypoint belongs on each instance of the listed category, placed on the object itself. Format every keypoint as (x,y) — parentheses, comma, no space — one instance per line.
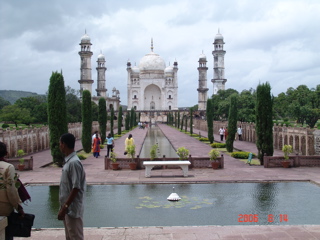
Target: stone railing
(295,161)
(305,141)
(33,139)
(196,162)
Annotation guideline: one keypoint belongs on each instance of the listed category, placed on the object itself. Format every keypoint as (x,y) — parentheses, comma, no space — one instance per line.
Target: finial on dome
(151,44)
(85,31)
(219,30)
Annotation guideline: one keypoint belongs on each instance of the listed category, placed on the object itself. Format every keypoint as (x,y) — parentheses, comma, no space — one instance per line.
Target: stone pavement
(234,171)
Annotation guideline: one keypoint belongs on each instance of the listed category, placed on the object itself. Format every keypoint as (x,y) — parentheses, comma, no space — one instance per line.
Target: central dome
(152,61)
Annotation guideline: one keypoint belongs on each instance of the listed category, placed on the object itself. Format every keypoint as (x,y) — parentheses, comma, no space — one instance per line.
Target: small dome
(101,57)
(202,57)
(85,38)
(218,37)
(152,61)
(135,69)
(168,69)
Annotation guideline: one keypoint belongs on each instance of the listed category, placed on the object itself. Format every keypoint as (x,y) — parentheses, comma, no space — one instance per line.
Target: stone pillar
(316,135)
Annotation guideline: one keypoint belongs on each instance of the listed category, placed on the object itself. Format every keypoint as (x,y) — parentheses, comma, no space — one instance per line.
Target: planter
(115,166)
(20,167)
(215,165)
(133,165)
(285,164)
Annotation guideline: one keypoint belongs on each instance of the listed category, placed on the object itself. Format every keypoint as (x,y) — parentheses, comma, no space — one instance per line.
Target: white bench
(150,164)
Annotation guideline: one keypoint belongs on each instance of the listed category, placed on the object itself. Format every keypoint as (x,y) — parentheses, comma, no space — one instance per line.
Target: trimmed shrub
(241,155)
(5,125)
(202,139)
(218,145)
(81,157)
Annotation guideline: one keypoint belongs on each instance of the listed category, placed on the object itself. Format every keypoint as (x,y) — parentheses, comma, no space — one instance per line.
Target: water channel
(155,136)
(289,203)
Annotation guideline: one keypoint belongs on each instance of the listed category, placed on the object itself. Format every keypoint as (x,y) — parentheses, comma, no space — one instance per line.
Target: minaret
(202,89)
(218,65)
(101,75)
(85,67)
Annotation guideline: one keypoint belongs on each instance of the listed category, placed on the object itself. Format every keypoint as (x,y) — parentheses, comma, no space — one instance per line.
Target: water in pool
(291,203)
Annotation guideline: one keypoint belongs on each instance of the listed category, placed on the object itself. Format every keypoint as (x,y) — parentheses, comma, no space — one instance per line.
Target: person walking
(221,132)
(72,190)
(128,142)
(9,196)
(110,144)
(226,133)
(239,131)
(96,146)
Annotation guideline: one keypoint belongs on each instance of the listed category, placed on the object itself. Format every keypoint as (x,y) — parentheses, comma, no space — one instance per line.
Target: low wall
(305,141)
(28,163)
(295,161)
(32,139)
(196,162)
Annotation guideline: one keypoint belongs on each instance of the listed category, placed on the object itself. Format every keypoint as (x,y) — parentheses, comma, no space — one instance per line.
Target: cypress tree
(102,118)
(178,119)
(131,118)
(119,120)
(57,115)
(86,121)
(128,121)
(112,121)
(191,121)
(264,124)
(209,112)
(186,124)
(182,122)
(232,122)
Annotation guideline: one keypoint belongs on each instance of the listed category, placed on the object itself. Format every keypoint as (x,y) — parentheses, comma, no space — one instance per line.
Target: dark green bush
(241,155)
(81,157)
(202,139)
(218,145)
(5,125)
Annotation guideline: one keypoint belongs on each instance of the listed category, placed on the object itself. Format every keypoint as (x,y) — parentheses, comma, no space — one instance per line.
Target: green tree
(112,121)
(246,106)
(178,119)
(182,122)
(209,113)
(232,122)
(191,121)
(86,121)
(73,105)
(127,121)
(131,118)
(102,119)
(95,111)
(264,123)
(57,115)
(119,120)
(15,114)
(4,103)
(35,104)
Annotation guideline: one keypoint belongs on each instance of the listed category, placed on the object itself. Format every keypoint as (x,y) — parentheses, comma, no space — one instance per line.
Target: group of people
(142,125)
(96,142)
(223,132)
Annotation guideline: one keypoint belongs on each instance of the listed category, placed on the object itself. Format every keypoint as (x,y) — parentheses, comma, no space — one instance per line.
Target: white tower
(101,75)
(202,89)
(218,65)
(85,67)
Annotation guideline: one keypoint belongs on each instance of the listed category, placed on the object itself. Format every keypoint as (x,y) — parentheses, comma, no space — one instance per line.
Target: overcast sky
(267,40)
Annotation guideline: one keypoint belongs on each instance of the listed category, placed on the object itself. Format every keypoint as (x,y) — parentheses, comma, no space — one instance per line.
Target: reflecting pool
(290,203)
(155,136)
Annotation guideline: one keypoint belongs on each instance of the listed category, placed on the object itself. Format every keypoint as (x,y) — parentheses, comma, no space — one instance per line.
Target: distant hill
(12,96)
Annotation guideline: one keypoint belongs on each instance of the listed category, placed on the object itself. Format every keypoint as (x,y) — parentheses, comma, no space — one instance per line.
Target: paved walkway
(234,170)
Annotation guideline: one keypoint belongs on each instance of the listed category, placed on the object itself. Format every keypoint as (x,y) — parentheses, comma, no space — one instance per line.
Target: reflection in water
(201,204)
(155,136)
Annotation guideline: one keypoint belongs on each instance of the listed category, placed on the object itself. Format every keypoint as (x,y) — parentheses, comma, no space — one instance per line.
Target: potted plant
(286,149)
(21,165)
(113,158)
(183,153)
(153,152)
(131,151)
(213,154)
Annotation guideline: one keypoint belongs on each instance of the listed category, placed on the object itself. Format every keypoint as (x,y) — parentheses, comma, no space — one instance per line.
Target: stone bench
(150,164)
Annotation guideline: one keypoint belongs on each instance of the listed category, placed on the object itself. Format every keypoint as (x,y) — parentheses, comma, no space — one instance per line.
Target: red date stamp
(255,218)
